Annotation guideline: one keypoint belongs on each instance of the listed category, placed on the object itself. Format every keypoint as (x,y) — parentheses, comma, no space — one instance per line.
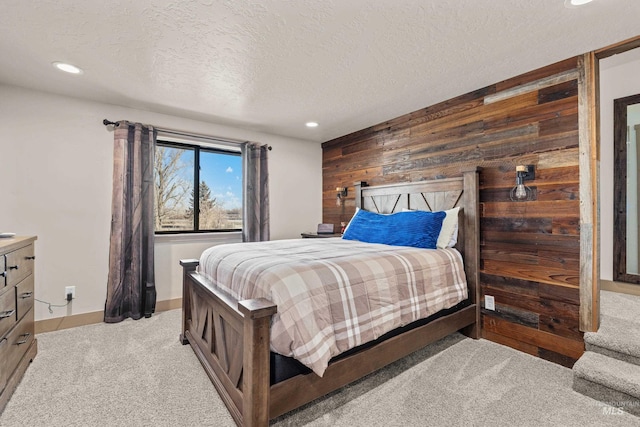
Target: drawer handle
(13,267)
(3,274)
(25,338)
(5,314)
(26,295)
(30,257)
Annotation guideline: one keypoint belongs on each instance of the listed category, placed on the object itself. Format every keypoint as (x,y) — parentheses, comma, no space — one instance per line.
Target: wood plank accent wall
(530,251)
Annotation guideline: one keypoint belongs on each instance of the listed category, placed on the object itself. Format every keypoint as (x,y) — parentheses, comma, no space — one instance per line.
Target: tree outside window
(215,204)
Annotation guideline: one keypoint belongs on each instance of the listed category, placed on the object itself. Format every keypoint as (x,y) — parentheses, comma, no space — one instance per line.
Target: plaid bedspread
(334,294)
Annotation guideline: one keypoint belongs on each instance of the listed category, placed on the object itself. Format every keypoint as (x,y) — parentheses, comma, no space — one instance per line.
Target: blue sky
(223,175)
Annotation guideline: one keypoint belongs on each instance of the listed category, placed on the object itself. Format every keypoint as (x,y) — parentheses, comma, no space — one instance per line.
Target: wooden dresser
(18,345)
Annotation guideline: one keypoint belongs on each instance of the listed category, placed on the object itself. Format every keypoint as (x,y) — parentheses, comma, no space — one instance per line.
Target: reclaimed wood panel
(588,84)
(530,251)
(569,328)
(510,342)
(558,358)
(498,178)
(542,339)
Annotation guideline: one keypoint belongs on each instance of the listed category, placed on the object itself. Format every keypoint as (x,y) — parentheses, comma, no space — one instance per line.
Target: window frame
(197,148)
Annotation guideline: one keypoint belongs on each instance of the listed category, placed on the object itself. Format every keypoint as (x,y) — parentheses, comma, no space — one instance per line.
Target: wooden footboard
(231,340)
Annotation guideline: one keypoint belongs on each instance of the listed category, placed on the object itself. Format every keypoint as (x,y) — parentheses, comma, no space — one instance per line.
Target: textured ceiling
(272,65)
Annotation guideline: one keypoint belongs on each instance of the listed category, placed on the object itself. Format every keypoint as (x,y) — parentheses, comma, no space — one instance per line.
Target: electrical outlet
(70,290)
(489,303)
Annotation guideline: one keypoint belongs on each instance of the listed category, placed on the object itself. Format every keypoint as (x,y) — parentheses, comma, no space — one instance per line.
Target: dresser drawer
(19,264)
(8,311)
(4,363)
(17,344)
(24,296)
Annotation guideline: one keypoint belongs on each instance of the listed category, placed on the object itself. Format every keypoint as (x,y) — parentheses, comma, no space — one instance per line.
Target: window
(197,189)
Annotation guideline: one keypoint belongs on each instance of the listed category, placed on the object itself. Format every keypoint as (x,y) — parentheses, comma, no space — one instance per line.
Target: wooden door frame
(589,162)
(589,144)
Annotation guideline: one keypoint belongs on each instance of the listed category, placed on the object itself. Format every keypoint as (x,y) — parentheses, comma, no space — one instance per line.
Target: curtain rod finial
(107,122)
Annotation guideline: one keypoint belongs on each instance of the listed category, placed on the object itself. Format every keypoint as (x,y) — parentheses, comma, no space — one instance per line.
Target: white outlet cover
(489,302)
(70,290)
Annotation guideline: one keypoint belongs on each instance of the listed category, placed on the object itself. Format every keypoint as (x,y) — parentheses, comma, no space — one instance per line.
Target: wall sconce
(522,193)
(341,193)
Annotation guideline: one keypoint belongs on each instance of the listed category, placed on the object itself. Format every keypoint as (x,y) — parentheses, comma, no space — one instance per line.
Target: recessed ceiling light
(67,68)
(312,124)
(575,3)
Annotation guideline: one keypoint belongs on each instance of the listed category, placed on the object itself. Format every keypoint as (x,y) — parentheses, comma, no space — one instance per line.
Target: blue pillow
(419,229)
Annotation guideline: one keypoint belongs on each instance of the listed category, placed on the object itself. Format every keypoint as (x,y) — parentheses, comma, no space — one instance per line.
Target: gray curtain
(256,193)
(130,286)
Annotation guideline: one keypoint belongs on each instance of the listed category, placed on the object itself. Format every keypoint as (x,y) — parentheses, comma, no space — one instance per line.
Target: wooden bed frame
(231,337)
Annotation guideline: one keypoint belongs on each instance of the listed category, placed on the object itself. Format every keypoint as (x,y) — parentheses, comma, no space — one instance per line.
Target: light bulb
(521,192)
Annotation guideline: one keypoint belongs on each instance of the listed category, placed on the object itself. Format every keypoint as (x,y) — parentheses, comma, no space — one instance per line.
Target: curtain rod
(187,134)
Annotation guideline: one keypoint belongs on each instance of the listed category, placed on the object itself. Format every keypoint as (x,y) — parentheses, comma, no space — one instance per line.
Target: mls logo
(610,410)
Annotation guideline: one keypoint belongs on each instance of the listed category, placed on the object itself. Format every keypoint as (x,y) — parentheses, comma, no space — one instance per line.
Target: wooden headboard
(435,195)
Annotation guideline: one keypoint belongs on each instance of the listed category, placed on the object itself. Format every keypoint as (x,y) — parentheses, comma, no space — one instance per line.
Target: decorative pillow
(419,229)
(449,233)
(448,236)
(356,213)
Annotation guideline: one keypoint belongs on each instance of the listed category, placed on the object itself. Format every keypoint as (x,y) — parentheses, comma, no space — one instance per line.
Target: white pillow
(354,214)
(448,236)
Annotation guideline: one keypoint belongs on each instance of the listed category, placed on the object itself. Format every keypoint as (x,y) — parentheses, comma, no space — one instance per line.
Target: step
(618,337)
(622,306)
(612,381)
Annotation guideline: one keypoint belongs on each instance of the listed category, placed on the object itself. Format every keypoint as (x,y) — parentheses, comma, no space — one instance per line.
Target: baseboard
(66,322)
(620,287)
(169,304)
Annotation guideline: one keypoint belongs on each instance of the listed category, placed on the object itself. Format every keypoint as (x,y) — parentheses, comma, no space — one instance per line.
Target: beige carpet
(136,373)
(609,370)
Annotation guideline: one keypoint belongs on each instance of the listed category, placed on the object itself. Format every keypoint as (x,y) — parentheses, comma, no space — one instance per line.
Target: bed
(232,338)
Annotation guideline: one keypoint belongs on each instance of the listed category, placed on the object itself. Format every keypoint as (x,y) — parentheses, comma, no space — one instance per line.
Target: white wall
(616,81)
(56,169)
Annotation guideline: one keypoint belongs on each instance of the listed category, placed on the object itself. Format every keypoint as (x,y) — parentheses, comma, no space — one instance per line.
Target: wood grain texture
(542,339)
(530,258)
(18,345)
(589,183)
(255,361)
(620,47)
